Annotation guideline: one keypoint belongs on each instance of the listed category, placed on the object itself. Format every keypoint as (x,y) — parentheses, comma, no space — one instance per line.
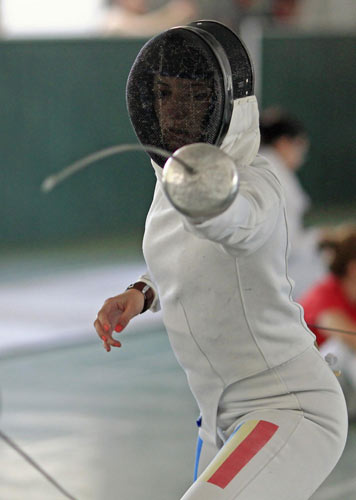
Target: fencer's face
(296,150)
(181,106)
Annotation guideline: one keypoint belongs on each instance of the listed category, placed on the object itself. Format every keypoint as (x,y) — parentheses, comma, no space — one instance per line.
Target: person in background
(284,12)
(326,15)
(140,18)
(331,303)
(285,143)
(144,18)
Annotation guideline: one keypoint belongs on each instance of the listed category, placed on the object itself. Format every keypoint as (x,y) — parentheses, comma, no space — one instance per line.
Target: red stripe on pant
(246,450)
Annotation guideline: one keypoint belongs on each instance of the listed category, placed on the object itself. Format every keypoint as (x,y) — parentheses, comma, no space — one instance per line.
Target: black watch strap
(147,291)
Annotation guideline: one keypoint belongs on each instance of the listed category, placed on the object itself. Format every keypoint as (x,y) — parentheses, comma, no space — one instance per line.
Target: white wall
(50,17)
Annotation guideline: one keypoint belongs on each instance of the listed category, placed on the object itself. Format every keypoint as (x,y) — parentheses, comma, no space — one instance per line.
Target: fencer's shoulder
(264,165)
(263,162)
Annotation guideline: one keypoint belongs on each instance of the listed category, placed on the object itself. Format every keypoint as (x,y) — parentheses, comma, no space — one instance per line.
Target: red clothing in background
(326,295)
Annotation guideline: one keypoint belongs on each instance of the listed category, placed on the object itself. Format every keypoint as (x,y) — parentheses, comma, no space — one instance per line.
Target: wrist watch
(147,291)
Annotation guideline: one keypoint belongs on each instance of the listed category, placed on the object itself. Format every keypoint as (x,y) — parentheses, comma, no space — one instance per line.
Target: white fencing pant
(345,362)
(283,431)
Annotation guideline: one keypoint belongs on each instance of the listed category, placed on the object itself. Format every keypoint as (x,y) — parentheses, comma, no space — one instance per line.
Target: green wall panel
(60,100)
(63,99)
(314,77)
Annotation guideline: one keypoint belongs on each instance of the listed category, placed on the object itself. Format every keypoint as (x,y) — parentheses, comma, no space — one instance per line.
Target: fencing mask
(181,87)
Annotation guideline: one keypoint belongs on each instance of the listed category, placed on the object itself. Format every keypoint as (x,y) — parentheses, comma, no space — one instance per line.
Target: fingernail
(103,338)
(118,328)
(117,344)
(106,327)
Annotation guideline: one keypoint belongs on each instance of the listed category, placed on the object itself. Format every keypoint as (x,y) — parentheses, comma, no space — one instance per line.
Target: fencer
(273,419)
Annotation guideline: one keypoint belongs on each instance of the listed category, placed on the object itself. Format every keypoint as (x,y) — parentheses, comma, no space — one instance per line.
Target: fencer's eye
(203,96)
(163,93)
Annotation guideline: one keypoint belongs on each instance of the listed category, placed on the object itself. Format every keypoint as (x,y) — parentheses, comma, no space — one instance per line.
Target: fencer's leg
(218,480)
(272,455)
(206,450)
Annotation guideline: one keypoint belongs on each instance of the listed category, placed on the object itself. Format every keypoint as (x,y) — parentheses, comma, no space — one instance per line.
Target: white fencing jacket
(305,263)
(223,284)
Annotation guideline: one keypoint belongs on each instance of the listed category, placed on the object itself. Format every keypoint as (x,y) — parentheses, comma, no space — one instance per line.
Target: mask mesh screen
(175,92)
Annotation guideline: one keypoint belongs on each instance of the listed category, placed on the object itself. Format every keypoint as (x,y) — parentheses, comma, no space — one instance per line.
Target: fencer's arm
(247,223)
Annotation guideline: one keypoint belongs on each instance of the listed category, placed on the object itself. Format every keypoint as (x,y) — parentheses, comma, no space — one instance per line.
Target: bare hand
(116,314)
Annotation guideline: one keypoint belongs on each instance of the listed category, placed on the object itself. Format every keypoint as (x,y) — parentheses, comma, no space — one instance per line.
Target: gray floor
(107,426)
(116,426)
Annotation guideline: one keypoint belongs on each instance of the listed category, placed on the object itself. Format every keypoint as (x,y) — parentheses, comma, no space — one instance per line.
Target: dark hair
(276,123)
(341,245)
